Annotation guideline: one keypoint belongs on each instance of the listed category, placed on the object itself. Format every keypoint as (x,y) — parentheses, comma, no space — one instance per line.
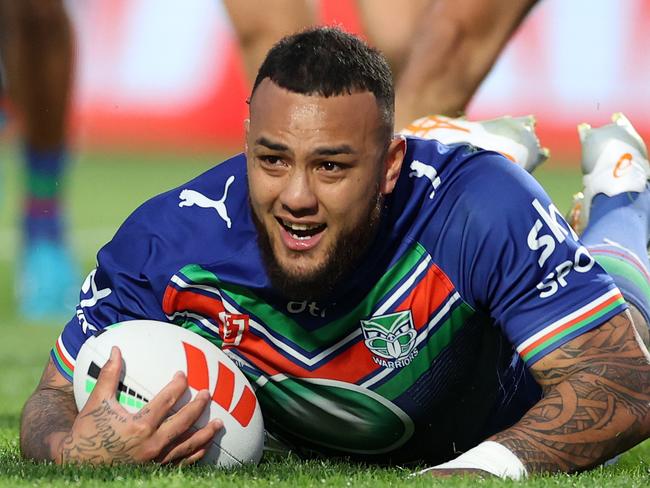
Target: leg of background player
(451,48)
(618,228)
(390,27)
(439,50)
(259,26)
(37,55)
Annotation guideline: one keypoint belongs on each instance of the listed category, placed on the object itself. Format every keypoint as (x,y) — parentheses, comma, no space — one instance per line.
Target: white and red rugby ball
(152,352)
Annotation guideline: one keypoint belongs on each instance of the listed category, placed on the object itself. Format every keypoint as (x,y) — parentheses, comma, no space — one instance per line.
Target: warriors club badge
(391,338)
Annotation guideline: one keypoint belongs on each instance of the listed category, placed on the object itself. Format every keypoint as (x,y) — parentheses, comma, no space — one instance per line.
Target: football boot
(614,160)
(514,137)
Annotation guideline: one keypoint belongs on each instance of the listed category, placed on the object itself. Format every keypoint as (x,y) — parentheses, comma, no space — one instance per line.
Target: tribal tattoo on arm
(596,402)
(50,410)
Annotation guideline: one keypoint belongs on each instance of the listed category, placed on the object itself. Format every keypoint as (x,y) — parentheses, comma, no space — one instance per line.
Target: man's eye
(270,160)
(330,166)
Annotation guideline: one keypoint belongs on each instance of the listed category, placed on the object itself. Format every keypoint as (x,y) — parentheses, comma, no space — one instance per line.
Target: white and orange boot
(614,160)
(514,137)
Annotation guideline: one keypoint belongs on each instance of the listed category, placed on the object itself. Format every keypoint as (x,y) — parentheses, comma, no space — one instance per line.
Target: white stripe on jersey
(286,348)
(422,267)
(567,318)
(200,318)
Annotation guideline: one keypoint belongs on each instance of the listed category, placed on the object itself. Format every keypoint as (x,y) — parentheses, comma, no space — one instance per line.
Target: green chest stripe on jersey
(284,325)
(438,340)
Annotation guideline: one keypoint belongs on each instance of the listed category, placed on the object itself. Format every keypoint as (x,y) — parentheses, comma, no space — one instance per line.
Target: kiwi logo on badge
(391,337)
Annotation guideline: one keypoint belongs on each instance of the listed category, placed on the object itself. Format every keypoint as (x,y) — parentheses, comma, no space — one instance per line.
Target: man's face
(317,170)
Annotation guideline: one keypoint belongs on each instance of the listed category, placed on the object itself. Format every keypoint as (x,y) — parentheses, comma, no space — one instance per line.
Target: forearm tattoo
(106,444)
(596,403)
(50,409)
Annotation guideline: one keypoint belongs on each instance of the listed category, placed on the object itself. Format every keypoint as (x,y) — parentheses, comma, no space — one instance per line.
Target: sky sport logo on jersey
(391,337)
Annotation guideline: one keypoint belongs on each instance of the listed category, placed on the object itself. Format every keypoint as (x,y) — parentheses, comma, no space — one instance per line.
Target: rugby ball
(152,352)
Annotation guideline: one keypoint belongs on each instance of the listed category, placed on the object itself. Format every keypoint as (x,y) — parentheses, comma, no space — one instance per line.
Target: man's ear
(393,164)
(247,126)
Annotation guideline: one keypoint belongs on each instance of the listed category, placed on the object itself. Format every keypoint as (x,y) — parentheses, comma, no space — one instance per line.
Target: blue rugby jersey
(420,353)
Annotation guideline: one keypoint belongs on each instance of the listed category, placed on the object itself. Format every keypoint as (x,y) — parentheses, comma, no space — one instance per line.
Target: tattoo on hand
(106,444)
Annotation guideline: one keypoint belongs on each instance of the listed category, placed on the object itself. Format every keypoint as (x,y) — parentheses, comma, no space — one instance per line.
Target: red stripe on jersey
(352,362)
(431,292)
(352,365)
(180,300)
(579,318)
(197,367)
(63,356)
(225,387)
(243,411)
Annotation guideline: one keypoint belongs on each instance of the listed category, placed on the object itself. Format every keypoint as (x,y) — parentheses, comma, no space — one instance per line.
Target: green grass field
(103,189)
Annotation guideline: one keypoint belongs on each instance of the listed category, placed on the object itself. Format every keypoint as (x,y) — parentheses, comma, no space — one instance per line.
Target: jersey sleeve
(524,265)
(163,235)
(122,287)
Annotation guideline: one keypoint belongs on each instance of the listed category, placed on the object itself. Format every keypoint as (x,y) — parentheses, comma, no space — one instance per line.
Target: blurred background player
(439,50)
(36,51)
(615,199)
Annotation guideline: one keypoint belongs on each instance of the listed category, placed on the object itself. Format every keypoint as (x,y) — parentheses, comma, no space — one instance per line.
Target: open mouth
(301,232)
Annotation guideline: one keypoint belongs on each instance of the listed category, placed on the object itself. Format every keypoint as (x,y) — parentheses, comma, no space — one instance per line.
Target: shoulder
(209,208)
(459,179)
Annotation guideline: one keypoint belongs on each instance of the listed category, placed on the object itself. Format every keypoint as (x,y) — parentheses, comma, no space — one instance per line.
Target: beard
(341,259)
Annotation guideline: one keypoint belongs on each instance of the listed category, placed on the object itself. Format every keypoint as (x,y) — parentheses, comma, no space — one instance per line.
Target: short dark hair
(327,61)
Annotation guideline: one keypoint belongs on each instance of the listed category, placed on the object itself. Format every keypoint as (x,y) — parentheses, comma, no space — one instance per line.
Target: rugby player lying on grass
(401,301)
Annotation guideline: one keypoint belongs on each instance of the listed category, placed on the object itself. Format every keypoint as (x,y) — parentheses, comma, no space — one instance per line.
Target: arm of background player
(596,402)
(104,432)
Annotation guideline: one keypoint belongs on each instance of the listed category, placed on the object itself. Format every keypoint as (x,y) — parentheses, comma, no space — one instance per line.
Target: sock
(617,237)
(44,172)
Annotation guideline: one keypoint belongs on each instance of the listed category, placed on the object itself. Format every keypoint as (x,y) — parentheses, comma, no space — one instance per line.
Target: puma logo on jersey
(193,197)
(420,169)
(89,285)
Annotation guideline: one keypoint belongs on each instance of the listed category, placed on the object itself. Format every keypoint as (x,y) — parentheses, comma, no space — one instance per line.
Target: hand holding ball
(151,355)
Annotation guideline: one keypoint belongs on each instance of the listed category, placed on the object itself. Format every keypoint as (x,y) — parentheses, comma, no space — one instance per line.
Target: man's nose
(298,196)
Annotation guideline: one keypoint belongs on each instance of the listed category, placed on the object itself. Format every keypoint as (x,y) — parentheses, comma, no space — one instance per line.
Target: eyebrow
(333,151)
(321,151)
(275,146)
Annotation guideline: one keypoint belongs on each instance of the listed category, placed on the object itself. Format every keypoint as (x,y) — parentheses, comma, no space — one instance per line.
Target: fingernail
(178,374)
(113,353)
(204,394)
(218,423)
